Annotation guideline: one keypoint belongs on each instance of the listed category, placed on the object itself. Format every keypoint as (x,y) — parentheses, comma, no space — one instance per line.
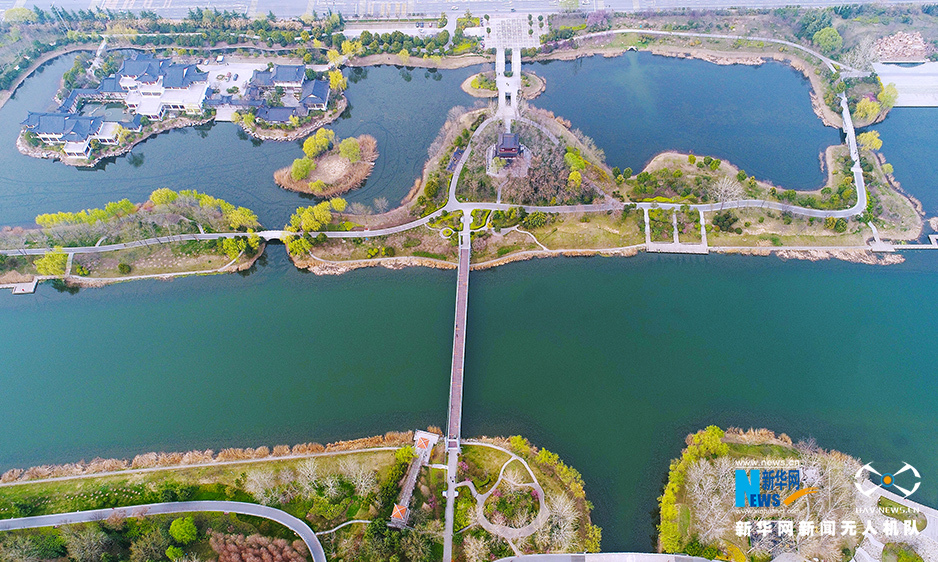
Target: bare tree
(19,549)
(727,189)
(307,476)
(330,485)
(863,55)
(381,205)
(514,476)
(710,490)
(475,549)
(85,545)
(357,208)
(261,484)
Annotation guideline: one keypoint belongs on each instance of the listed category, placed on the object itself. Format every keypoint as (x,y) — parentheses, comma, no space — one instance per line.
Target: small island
(483,85)
(330,167)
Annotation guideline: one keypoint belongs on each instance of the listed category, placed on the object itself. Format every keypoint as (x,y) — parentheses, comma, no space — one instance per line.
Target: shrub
(724,220)
(123,268)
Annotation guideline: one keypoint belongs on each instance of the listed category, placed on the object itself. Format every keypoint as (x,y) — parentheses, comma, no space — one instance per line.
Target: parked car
(235,77)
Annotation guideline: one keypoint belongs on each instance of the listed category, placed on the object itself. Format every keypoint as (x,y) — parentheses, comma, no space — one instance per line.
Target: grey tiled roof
(67,125)
(315,92)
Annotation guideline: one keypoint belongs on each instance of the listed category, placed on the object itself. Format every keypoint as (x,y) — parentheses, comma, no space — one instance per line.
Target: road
(241,508)
(371,8)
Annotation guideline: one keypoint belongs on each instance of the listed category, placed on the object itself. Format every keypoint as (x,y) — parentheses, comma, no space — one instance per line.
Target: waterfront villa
(286,76)
(76,132)
(148,86)
(154,86)
(296,97)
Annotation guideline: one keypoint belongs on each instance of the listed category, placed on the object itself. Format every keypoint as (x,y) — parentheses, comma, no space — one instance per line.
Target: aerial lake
(609,362)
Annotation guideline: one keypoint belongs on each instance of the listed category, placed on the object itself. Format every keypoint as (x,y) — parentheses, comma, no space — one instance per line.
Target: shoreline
(153,461)
(859,254)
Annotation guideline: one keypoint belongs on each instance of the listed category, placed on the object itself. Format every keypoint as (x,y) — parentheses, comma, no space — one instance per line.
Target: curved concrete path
(830,63)
(241,508)
(504,531)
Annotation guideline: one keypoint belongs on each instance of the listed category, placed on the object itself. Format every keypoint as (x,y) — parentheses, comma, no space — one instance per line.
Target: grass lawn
(743,450)
(485,464)
(590,231)
(900,552)
(901,512)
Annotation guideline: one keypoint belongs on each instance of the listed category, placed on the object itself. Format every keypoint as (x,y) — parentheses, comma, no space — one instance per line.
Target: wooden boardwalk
(454,424)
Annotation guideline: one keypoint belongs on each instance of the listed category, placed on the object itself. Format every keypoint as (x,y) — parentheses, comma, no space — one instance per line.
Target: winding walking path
(831,64)
(241,508)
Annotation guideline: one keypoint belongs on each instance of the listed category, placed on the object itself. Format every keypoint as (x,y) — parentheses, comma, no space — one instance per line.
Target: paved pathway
(504,531)
(831,64)
(285,519)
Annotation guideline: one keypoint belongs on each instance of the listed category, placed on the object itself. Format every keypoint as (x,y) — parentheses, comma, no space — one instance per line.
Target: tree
(163,196)
(318,143)
(350,148)
(151,546)
(333,56)
(887,168)
(867,108)
(248,119)
(19,15)
(232,248)
(242,217)
(52,263)
(336,81)
(404,56)
(870,140)
(575,179)
(338,204)
(317,186)
(828,40)
(301,168)
(888,95)
(174,553)
(351,47)
(183,529)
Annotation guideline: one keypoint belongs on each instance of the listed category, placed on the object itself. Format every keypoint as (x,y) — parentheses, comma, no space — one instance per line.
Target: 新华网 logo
(764,487)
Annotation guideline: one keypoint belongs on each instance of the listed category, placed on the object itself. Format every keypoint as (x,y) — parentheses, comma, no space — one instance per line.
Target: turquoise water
(608,362)
(911,145)
(758,118)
